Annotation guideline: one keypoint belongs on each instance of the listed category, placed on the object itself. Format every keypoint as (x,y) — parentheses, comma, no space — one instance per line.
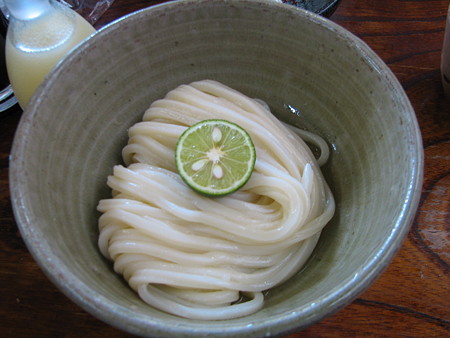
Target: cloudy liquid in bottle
(35,46)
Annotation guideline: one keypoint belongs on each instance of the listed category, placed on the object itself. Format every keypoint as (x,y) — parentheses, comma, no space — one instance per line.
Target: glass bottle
(40,34)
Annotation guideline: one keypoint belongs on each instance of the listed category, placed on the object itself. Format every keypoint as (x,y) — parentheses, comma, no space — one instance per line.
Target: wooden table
(411,298)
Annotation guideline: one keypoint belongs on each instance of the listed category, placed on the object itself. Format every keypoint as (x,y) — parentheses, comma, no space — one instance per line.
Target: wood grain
(411,298)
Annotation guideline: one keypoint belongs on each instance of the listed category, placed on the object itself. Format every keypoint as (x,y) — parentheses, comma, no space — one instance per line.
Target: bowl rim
(99,306)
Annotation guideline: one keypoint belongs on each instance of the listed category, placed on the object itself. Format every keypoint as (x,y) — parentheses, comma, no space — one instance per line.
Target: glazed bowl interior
(311,72)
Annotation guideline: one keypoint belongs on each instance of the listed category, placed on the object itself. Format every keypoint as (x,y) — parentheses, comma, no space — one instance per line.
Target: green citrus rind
(215,157)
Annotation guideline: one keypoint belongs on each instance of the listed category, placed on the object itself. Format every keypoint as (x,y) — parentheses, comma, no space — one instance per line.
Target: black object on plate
(322,7)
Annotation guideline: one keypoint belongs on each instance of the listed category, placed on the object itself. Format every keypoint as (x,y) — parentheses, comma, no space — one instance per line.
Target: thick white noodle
(211,258)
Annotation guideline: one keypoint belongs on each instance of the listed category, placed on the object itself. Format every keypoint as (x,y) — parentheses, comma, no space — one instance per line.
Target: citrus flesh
(215,157)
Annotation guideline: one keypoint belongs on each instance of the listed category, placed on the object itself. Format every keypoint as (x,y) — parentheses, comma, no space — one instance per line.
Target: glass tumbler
(91,10)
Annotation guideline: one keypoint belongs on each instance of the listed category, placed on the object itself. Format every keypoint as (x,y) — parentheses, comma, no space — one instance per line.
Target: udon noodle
(212,258)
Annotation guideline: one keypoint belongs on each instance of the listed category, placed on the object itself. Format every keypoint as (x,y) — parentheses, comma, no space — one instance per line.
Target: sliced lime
(215,157)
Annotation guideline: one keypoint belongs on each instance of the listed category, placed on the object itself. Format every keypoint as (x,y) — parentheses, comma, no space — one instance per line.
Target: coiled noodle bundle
(211,258)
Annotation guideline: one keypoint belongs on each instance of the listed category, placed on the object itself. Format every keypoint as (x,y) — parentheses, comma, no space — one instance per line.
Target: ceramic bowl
(312,73)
